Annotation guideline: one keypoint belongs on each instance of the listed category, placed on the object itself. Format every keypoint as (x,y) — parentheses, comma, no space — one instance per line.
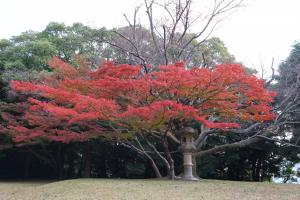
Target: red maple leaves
(126,96)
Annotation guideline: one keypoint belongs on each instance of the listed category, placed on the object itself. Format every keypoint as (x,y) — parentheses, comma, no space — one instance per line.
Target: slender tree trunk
(102,168)
(50,158)
(253,167)
(155,168)
(87,161)
(79,172)
(171,172)
(142,151)
(258,168)
(28,160)
(165,161)
(194,166)
(60,161)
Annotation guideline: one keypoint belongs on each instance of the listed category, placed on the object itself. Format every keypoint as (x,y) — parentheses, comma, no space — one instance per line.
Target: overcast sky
(258,32)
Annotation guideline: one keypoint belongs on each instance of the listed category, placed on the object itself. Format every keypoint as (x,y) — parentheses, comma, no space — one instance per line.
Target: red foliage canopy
(125,97)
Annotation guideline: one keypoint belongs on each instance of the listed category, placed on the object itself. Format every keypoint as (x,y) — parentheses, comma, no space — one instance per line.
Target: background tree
(210,52)
(24,56)
(75,39)
(173,36)
(287,101)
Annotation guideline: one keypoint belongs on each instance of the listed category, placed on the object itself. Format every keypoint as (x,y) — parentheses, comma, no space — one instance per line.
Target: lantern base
(189,178)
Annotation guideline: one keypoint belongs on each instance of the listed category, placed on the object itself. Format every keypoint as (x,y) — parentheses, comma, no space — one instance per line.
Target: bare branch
(165,46)
(149,11)
(218,9)
(128,21)
(272,76)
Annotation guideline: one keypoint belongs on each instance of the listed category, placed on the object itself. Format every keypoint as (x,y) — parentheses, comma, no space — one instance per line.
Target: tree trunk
(87,161)
(171,171)
(195,166)
(27,165)
(253,167)
(142,151)
(258,168)
(102,167)
(155,168)
(60,162)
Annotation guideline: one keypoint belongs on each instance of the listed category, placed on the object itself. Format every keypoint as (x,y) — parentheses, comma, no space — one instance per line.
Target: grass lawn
(106,189)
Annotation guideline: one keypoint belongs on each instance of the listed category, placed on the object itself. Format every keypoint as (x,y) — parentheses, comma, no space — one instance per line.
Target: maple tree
(131,103)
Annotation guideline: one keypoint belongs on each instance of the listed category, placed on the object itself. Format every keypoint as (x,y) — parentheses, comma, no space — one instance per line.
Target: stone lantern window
(187,148)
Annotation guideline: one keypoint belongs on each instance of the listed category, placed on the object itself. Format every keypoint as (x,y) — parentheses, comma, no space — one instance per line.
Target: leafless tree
(173,30)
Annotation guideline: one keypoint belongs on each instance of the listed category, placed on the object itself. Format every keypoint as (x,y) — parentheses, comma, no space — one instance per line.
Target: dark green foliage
(210,52)
(75,39)
(23,57)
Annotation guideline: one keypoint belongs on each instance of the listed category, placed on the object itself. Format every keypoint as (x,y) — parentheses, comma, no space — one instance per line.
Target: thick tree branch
(206,133)
(158,154)
(225,147)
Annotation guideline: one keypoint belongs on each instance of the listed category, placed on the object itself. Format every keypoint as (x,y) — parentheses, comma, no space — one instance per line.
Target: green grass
(106,189)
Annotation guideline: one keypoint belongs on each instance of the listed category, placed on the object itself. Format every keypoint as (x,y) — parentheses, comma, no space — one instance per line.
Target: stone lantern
(187,148)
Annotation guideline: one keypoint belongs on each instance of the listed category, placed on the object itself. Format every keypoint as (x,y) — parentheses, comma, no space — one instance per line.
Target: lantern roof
(186,131)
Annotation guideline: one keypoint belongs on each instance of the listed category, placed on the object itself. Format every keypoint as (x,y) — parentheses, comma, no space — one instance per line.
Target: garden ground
(106,189)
